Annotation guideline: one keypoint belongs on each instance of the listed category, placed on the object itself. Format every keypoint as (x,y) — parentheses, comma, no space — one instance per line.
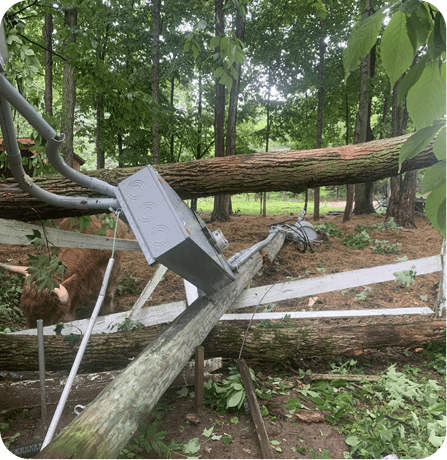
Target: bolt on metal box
(169,232)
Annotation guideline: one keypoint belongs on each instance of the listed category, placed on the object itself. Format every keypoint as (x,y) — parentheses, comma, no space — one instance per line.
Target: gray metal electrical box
(171,233)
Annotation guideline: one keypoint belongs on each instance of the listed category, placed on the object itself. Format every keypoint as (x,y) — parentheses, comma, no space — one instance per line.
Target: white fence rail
(15,232)
(305,287)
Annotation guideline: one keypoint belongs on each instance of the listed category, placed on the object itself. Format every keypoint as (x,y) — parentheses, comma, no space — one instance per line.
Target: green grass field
(275,204)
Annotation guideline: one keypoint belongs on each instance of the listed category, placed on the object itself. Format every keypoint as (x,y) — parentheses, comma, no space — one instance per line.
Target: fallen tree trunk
(293,171)
(105,426)
(25,394)
(275,344)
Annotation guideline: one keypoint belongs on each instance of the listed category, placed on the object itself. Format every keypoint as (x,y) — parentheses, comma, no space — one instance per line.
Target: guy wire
(252,316)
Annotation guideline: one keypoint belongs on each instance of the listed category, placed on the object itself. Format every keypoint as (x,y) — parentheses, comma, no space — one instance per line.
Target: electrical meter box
(169,232)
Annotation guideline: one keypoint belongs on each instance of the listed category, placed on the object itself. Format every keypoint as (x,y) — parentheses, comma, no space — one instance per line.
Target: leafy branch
(415,28)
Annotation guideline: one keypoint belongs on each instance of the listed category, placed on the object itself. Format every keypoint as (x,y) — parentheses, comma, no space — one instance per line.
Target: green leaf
(208,432)
(419,26)
(224,43)
(215,42)
(417,142)
(435,440)
(411,77)
(409,6)
(236,398)
(434,177)
(352,440)
(426,98)
(361,41)
(439,145)
(218,72)
(435,209)
(192,447)
(439,32)
(406,277)
(397,50)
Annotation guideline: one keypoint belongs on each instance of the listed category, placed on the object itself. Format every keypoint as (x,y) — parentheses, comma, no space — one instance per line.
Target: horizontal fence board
(166,313)
(14,232)
(334,282)
(328,314)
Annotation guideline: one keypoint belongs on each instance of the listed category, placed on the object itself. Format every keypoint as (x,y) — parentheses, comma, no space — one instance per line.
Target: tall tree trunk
(350,188)
(68,91)
(403,188)
(199,134)
(234,94)
(362,132)
(322,48)
(47,32)
(221,202)
(100,158)
(120,150)
(171,148)
(156,31)
(263,203)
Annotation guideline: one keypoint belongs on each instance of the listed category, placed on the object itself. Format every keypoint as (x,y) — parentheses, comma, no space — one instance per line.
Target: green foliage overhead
(112,56)
(416,31)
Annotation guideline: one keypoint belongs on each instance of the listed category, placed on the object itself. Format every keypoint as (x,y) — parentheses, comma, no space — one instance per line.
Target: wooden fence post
(198,377)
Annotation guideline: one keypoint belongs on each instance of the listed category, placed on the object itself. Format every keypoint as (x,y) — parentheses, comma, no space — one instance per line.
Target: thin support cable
(251,320)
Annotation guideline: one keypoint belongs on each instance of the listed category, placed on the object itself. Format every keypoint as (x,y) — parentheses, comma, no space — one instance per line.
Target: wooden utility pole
(105,426)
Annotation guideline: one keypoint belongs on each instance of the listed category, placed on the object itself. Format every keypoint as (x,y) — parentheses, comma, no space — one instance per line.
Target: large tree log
(299,339)
(105,426)
(294,171)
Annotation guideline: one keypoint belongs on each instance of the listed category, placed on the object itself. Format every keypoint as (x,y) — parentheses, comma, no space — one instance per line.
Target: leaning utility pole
(106,425)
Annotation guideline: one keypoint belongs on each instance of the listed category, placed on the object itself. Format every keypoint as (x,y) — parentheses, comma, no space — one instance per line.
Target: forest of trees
(133,82)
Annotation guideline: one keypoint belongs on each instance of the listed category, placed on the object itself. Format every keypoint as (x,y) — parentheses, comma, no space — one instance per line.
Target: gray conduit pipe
(53,141)
(25,182)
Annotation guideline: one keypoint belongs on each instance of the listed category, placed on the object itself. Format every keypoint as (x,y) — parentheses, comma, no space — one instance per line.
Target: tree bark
(403,188)
(47,32)
(105,426)
(221,202)
(350,189)
(362,133)
(100,157)
(295,171)
(113,351)
(156,30)
(69,92)
(364,198)
(234,92)
(322,49)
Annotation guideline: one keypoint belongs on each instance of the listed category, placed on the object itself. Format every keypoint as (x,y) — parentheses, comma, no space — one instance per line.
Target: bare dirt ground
(331,257)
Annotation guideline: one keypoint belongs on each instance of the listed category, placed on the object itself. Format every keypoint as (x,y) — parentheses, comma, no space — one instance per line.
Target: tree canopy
(274,64)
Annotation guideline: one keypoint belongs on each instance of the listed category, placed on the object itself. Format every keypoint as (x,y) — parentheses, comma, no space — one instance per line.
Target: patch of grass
(275,205)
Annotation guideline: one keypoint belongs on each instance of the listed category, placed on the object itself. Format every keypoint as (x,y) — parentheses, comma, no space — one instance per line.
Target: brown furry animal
(82,280)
